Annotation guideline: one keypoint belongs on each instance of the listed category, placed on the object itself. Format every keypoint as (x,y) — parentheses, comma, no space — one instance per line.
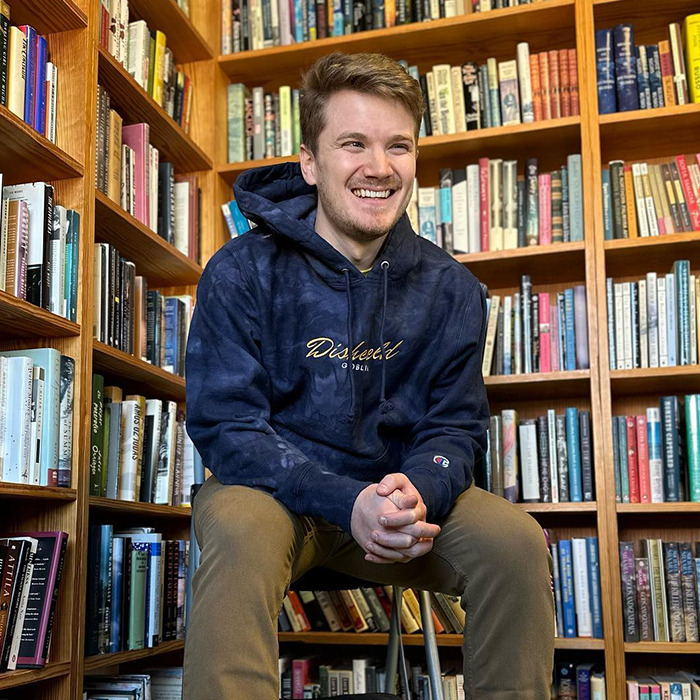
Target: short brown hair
(369,73)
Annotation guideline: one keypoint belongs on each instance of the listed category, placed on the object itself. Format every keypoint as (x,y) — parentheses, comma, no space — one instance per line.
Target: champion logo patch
(441,461)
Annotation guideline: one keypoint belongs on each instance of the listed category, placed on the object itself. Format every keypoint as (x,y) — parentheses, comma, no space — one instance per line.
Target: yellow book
(286,147)
(114,177)
(629,198)
(16,69)
(691,42)
(159,68)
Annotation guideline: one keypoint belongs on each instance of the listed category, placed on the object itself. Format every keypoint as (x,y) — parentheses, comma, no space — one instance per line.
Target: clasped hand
(388,521)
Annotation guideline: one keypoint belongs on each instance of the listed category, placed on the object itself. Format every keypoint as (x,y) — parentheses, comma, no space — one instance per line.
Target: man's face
(364,165)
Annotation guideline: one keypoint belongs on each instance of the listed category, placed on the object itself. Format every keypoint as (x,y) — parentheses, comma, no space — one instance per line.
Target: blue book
(625,68)
(671,320)
(573,449)
(583,681)
(654,442)
(607,205)
(671,447)
(105,593)
(565,205)
(339,20)
(567,588)
(74,233)
(29,74)
(117,588)
(594,586)
(681,271)
(573,165)
(172,335)
(310,21)
(655,79)
(40,85)
(643,84)
(616,460)
(485,95)
(556,580)
(622,457)
(239,221)
(570,354)
(605,71)
(298,22)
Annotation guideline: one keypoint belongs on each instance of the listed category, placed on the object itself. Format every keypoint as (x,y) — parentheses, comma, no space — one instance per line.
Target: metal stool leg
(431,649)
(394,647)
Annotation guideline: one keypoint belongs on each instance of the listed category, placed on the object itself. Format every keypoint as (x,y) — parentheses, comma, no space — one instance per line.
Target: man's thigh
(481,530)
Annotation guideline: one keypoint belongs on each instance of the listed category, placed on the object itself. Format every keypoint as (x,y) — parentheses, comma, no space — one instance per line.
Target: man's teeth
(383,194)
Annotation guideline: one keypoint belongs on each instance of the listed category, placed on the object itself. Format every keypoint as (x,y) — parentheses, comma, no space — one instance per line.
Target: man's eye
(353,144)
(401,146)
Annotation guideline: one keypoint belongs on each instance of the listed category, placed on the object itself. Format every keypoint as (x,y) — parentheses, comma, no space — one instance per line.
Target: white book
(458,98)
(492,323)
(671,320)
(182,216)
(138,52)
(509,419)
(19,413)
(619,326)
(656,464)
(460,212)
(692,300)
(38,381)
(473,208)
(663,321)
(444,98)
(154,157)
(508,334)
(627,313)
(153,423)
(57,257)
(123,28)
(427,214)
(510,204)
(129,458)
(517,335)
(529,471)
(679,75)
(16,71)
(643,329)
(496,203)
(286,145)
(412,208)
(3,409)
(113,44)
(582,597)
(649,200)
(653,319)
(23,602)
(525,82)
(640,201)
(165,474)
(51,97)
(553,467)
(187,469)
(283,10)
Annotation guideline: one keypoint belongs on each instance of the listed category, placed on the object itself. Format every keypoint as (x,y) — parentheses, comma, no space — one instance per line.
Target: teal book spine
(573,448)
(573,164)
(607,206)
(692,418)
(616,460)
(681,271)
(622,457)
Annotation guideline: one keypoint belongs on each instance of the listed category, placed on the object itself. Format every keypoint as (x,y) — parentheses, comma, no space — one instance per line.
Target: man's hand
(388,521)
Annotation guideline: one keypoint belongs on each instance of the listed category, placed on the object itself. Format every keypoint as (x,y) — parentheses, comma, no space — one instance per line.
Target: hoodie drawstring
(351,415)
(384,405)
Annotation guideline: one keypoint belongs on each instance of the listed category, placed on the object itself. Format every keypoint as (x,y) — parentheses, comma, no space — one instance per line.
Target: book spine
(625,68)
(605,70)
(629,594)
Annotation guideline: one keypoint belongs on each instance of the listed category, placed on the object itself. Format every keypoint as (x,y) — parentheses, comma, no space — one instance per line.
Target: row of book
(576,582)
(153,684)
(548,459)
(487,206)
(28,79)
(39,244)
(130,317)
(657,453)
(653,322)
(651,198)
(576,680)
(536,332)
(679,685)
(248,25)
(31,565)
(36,416)
(660,590)
(140,450)
(147,58)
(365,610)
(135,589)
(644,77)
(129,171)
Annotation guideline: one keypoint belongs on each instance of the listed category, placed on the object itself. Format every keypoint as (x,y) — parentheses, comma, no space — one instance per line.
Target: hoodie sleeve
(451,437)
(228,406)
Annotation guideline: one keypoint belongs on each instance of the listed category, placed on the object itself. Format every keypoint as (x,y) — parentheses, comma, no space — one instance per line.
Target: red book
(632,467)
(688,191)
(536,87)
(545,195)
(643,460)
(666,62)
(484,203)
(573,82)
(301,675)
(384,600)
(554,86)
(136,136)
(546,87)
(564,83)
(299,610)
(545,334)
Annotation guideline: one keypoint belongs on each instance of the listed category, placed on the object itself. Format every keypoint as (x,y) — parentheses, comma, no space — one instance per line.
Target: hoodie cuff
(434,492)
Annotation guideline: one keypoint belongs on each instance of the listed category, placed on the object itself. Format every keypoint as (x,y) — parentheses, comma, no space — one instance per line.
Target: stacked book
(654,322)
(129,171)
(39,243)
(246,25)
(140,450)
(680,684)
(536,332)
(130,317)
(135,589)
(657,452)
(576,580)
(147,58)
(651,198)
(660,590)
(573,679)
(31,564)
(487,206)
(36,416)
(265,124)
(365,610)
(152,683)
(648,76)
(28,80)
(548,459)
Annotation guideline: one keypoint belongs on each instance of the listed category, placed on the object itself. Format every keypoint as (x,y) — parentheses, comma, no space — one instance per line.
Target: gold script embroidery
(327,347)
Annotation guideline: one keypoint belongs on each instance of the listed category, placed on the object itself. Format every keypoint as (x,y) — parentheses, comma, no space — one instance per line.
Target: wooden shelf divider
(14,679)
(113,505)
(48,17)
(662,648)
(658,380)
(93,663)
(19,318)
(538,385)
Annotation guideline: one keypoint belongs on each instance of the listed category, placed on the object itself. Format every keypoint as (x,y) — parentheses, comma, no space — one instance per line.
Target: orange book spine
(546,88)
(573,83)
(564,85)
(554,86)
(536,87)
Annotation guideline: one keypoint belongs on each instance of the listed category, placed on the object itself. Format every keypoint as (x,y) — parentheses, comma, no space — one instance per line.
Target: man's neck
(361,255)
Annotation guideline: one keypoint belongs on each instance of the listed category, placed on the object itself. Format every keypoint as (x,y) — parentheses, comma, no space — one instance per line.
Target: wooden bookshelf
(183,38)
(19,318)
(134,104)
(662,648)
(129,371)
(13,679)
(636,256)
(93,663)
(538,385)
(26,155)
(38,493)
(682,508)
(113,505)
(657,380)
(47,18)
(160,262)
(575,507)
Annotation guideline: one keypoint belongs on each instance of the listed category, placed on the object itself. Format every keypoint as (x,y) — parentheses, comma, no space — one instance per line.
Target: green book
(692,418)
(137,594)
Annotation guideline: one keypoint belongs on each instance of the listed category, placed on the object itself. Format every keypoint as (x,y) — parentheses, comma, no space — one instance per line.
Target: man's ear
(308,164)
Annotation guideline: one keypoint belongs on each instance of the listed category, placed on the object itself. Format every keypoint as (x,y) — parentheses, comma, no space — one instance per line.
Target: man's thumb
(387,485)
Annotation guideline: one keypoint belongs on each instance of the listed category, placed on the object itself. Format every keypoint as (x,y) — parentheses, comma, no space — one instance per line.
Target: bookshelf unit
(72,28)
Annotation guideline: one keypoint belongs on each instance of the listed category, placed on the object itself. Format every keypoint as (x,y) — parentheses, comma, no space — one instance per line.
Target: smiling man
(334,390)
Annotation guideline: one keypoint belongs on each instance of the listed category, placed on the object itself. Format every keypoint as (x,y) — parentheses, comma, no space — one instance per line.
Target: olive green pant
(489,552)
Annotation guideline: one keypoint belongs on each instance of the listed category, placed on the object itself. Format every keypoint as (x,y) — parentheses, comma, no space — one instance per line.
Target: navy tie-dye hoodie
(275,399)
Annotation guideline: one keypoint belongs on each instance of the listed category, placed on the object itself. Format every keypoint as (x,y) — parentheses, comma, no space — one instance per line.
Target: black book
(629,592)
(426,111)
(543,460)
(153,336)
(21,558)
(166,201)
(4,55)
(521,212)
(535,333)
(584,418)
(124,627)
(499,342)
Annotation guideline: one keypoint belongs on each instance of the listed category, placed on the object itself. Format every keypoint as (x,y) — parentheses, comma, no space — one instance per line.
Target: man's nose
(378,164)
